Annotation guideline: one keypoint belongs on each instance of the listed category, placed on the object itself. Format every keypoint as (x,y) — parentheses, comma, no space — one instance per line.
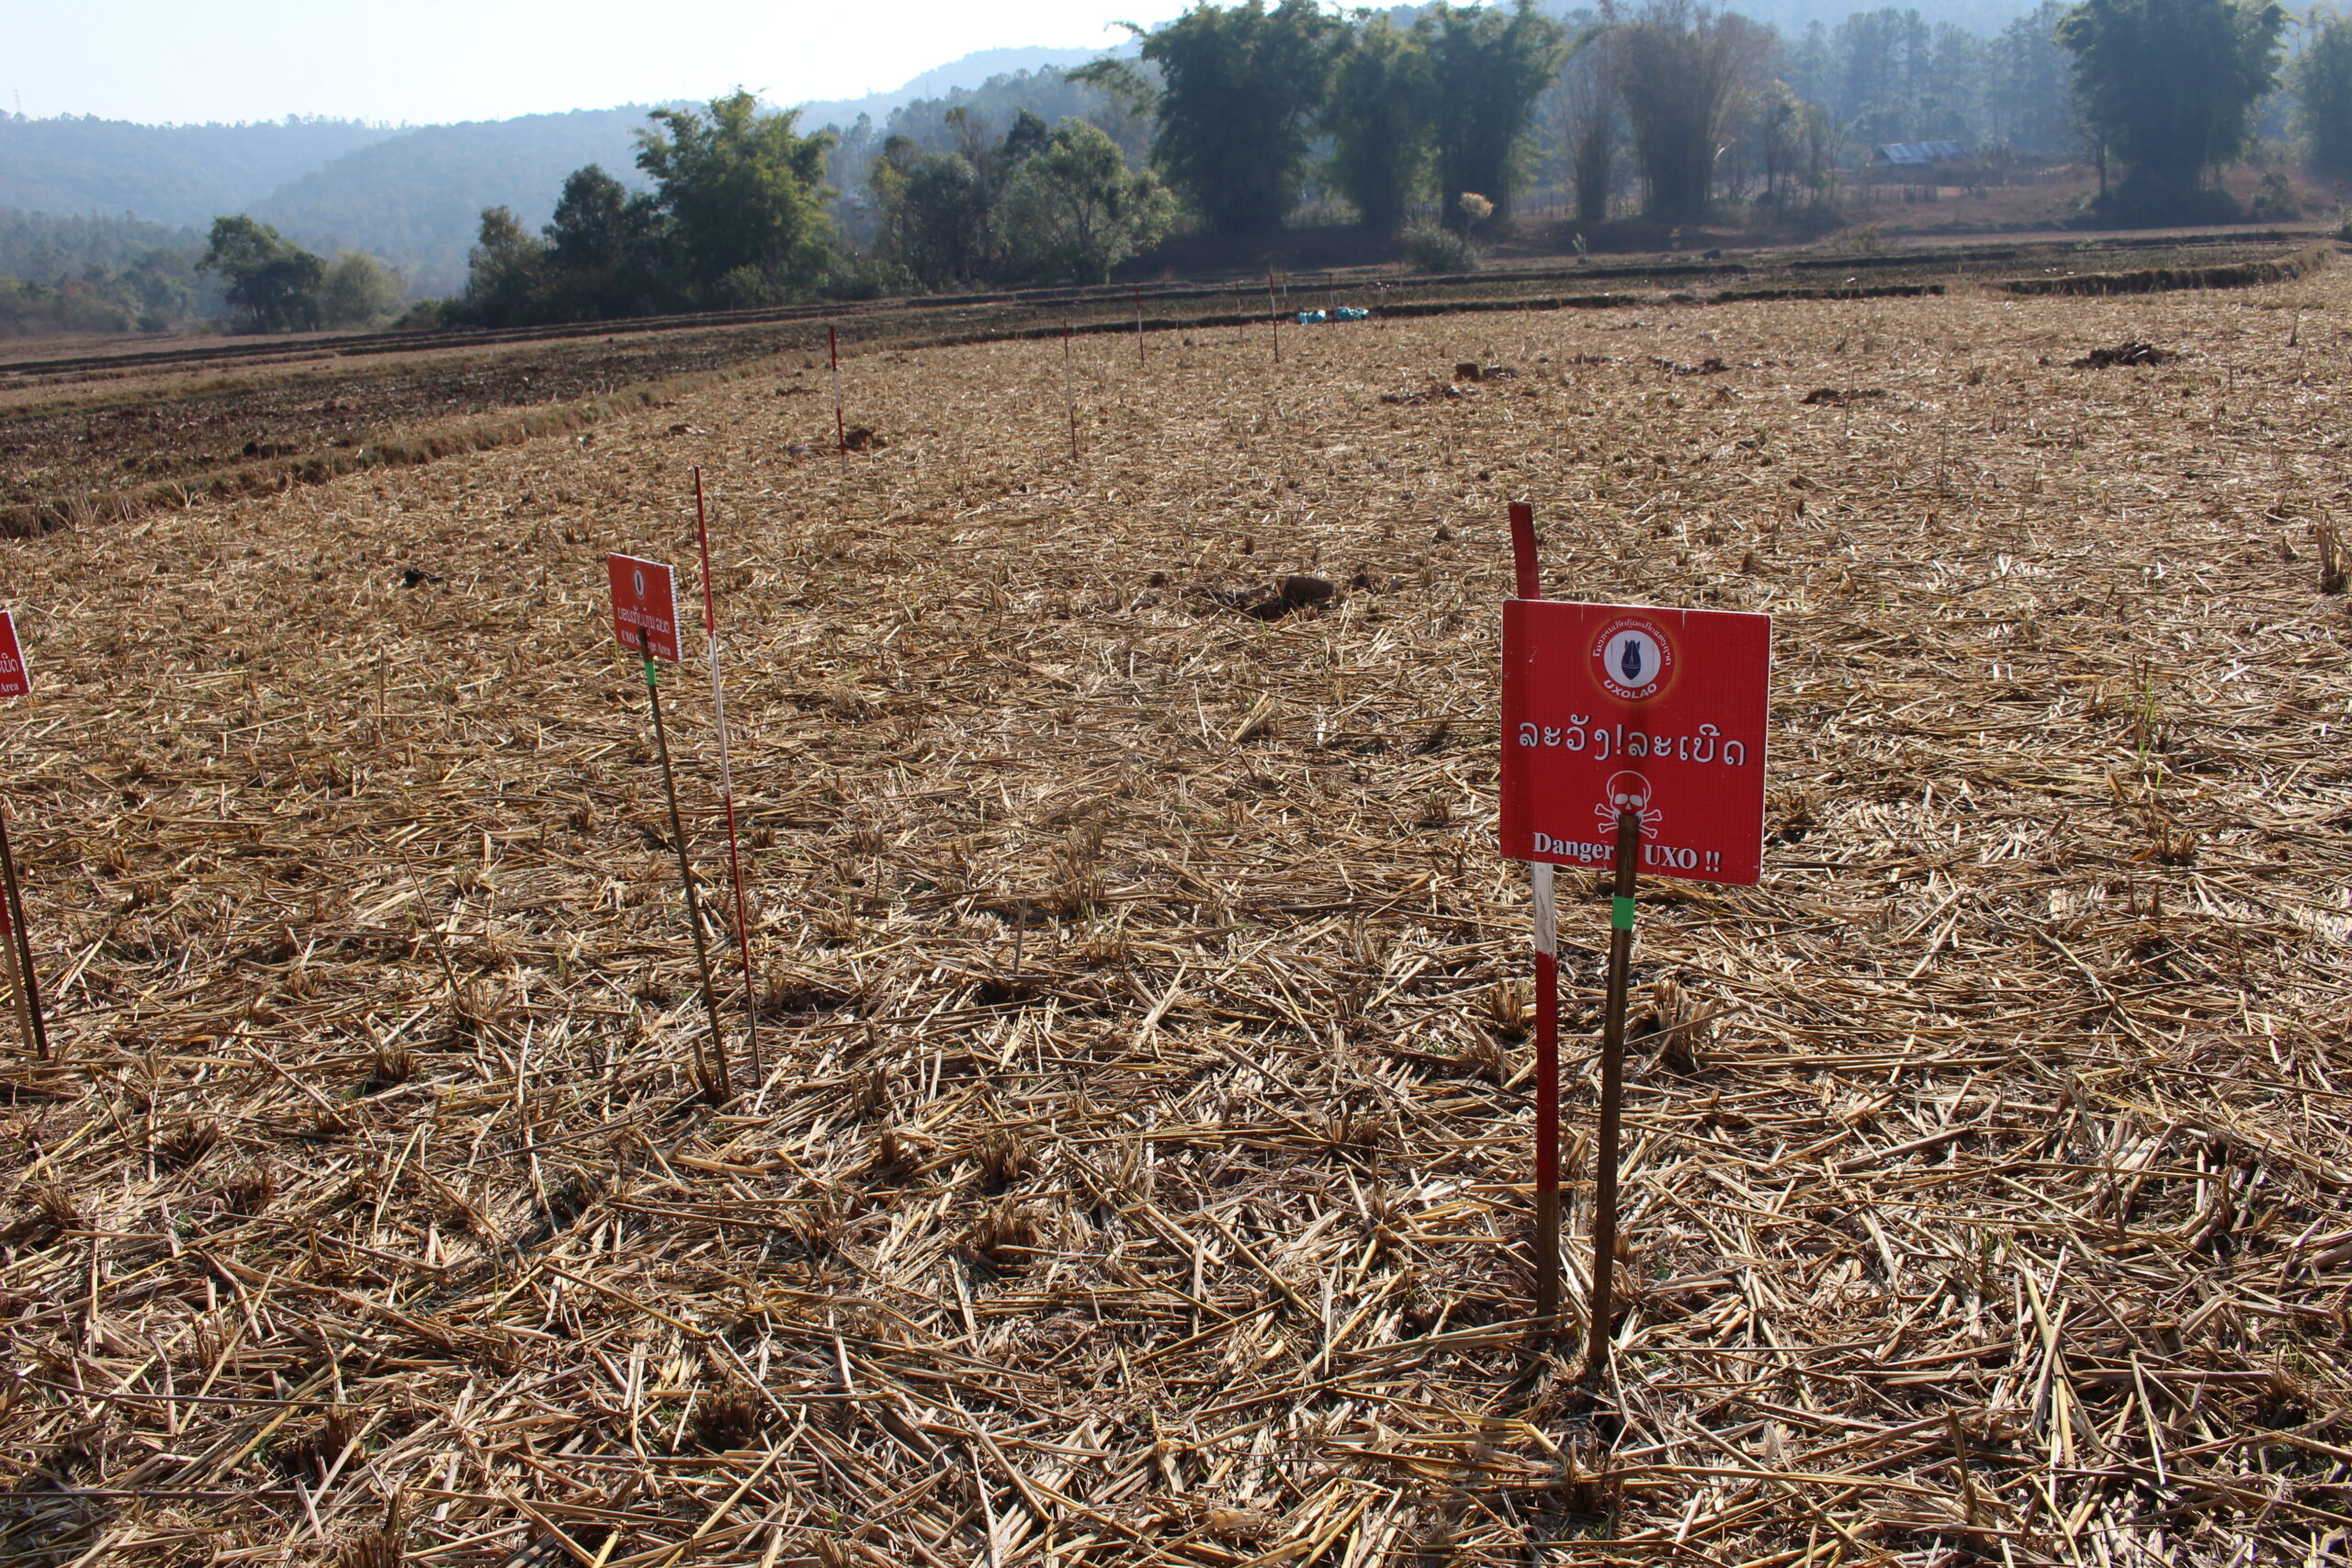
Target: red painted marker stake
(17,681)
(1274,308)
(20,950)
(726,789)
(1547,1010)
(841,430)
(1139,323)
(1069,394)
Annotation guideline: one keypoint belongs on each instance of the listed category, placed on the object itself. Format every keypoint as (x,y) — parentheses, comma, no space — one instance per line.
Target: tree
(1585,116)
(2322,79)
(1242,84)
(274,284)
(1684,73)
(1075,210)
(2170,84)
(359,291)
(602,251)
(2030,95)
(1378,118)
(1486,69)
(743,194)
(505,271)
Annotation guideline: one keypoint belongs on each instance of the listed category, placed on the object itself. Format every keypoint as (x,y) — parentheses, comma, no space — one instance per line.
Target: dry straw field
(1138,1173)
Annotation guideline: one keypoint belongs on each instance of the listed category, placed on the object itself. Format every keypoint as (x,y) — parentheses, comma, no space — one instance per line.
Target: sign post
(1632,738)
(16,682)
(645,620)
(727,790)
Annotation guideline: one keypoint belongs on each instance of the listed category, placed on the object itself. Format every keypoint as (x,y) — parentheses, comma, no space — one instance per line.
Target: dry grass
(1140,1174)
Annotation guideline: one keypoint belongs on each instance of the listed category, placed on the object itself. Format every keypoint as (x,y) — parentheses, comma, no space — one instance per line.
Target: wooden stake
(840,428)
(1613,1094)
(1275,307)
(1069,394)
(727,792)
(719,1083)
(21,947)
(1139,323)
(1529,583)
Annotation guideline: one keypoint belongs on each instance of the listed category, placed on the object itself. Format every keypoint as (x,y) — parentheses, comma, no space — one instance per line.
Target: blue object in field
(1350,313)
(1312,318)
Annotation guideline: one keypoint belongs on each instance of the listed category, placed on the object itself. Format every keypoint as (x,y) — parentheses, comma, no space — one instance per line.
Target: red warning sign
(645,605)
(14,680)
(1616,708)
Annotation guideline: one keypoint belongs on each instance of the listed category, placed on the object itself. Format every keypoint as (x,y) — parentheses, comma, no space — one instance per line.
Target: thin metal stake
(1613,1094)
(27,988)
(727,791)
(1069,394)
(840,429)
(686,878)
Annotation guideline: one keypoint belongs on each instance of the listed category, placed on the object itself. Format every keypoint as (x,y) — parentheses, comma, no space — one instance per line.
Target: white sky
(420,61)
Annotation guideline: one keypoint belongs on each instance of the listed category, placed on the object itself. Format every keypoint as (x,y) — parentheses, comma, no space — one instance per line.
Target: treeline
(1435,122)
(98,275)
(61,276)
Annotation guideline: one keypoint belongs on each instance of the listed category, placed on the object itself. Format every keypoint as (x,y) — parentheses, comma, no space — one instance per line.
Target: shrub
(1436,248)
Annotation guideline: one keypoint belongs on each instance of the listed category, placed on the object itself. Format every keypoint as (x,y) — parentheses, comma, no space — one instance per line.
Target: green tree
(1075,209)
(505,271)
(2170,86)
(1378,118)
(602,251)
(2322,79)
(273,283)
(1585,119)
(1684,75)
(359,291)
(744,193)
(933,213)
(1242,84)
(1486,69)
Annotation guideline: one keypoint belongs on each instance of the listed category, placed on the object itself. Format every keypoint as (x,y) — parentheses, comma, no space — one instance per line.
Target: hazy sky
(424,61)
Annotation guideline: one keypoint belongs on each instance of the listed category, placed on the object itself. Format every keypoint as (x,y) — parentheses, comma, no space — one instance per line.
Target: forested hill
(166,174)
(416,198)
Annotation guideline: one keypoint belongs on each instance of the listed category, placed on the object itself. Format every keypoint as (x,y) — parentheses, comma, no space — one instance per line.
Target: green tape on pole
(1620,914)
(649,672)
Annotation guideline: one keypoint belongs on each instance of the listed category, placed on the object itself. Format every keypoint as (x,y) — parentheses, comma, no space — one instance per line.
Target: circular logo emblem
(639,574)
(1633,658)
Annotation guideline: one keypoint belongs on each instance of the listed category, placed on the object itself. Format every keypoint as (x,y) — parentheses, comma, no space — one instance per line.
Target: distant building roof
(1919,152)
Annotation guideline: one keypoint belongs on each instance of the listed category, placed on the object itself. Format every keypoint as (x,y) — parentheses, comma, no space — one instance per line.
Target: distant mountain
(416,198)
(166,174)
(971,72)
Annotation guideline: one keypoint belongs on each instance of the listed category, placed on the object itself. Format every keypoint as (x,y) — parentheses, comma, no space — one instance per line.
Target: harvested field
(1138,1173)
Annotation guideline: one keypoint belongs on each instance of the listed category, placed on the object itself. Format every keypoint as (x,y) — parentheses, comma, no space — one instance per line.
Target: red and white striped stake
(841,430)
(1139,323)
(1547,1008)
(727,788)
(1069,392)
(1275,307)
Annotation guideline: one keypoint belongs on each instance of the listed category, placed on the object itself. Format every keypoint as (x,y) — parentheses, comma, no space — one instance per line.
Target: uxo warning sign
(645,607)
(1609,708)
(14,682)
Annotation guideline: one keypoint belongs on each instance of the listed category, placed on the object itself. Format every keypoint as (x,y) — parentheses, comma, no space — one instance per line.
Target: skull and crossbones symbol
(1627,791)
